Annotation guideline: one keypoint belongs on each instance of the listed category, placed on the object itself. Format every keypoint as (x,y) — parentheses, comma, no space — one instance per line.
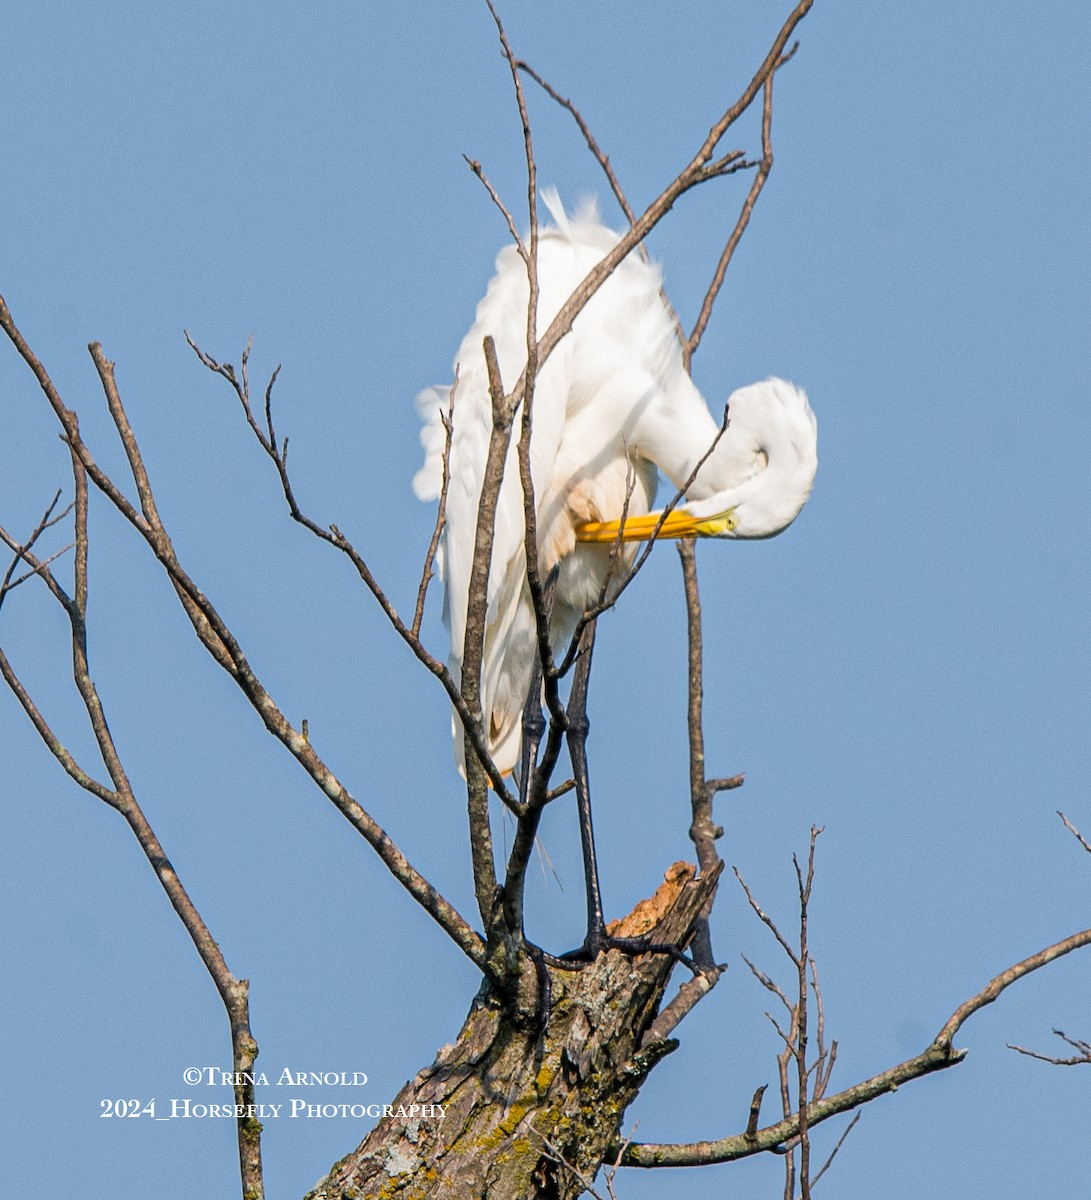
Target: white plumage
(611,402)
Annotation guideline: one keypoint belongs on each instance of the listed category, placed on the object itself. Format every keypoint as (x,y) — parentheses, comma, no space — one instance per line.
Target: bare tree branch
(234,992)
(10,585)
(600,156)
(833,1153)
(810,1077)
(1082,1058)
(1083,1048)
(937,1056)
(770,985)
(524,394)
(690,344)
(1075,832)
(214,634)
(441,514)
(824,1064)
(48,520)
(51,740)
(703,831)
(473,649)
(688,996)
(278,454)
(494,195)
(799,1050)
(767,921)
(689,177)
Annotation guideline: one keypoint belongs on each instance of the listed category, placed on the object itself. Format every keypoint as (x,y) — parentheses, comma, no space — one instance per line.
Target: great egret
(613,405)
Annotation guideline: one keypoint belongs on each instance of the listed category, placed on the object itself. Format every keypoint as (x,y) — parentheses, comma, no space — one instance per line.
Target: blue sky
(907,666)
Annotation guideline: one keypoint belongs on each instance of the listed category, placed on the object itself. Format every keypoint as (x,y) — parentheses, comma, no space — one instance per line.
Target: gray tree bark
(531,1107)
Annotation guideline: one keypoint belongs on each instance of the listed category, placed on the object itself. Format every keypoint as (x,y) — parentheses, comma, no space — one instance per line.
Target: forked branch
(1082,1057)
(277,451)
(218,639)
(119,795)
(697,172)
(938,1055)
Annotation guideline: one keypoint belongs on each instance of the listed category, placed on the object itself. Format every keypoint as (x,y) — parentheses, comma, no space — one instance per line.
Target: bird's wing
(625,328)
(501,315)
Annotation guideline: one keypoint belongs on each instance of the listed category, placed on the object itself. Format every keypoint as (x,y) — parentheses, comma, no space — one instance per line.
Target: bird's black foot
(594,944)
(598,940)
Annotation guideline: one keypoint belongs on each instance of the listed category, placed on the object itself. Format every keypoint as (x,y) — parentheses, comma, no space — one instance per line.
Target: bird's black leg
(533,718)
(578,726)
(597,938)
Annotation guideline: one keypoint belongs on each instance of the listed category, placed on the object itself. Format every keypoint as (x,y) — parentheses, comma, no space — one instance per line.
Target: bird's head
(761,472)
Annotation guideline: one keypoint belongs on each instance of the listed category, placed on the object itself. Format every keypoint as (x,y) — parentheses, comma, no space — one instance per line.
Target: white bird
(613,405)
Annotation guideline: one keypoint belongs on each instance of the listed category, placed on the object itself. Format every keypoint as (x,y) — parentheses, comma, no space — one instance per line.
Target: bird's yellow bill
(677,524)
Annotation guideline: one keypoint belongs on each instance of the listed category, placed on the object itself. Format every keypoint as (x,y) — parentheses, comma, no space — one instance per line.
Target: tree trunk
(529,1112)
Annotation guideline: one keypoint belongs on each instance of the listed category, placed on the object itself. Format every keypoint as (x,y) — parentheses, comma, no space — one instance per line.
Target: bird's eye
(761,459)
(732,522)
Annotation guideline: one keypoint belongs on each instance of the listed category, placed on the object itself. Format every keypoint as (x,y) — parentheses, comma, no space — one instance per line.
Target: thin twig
(600,156)
(769,984)
(689,177)
(278,454)
(803,1019)
(47,521)
(494,195)
(833,1153)
(558,1157)
(70,766)
(690,344)
(824,1063)
(1075,832)
(766,920)
(1077,1060)
(610,1170)
(14,583)
(441,513)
